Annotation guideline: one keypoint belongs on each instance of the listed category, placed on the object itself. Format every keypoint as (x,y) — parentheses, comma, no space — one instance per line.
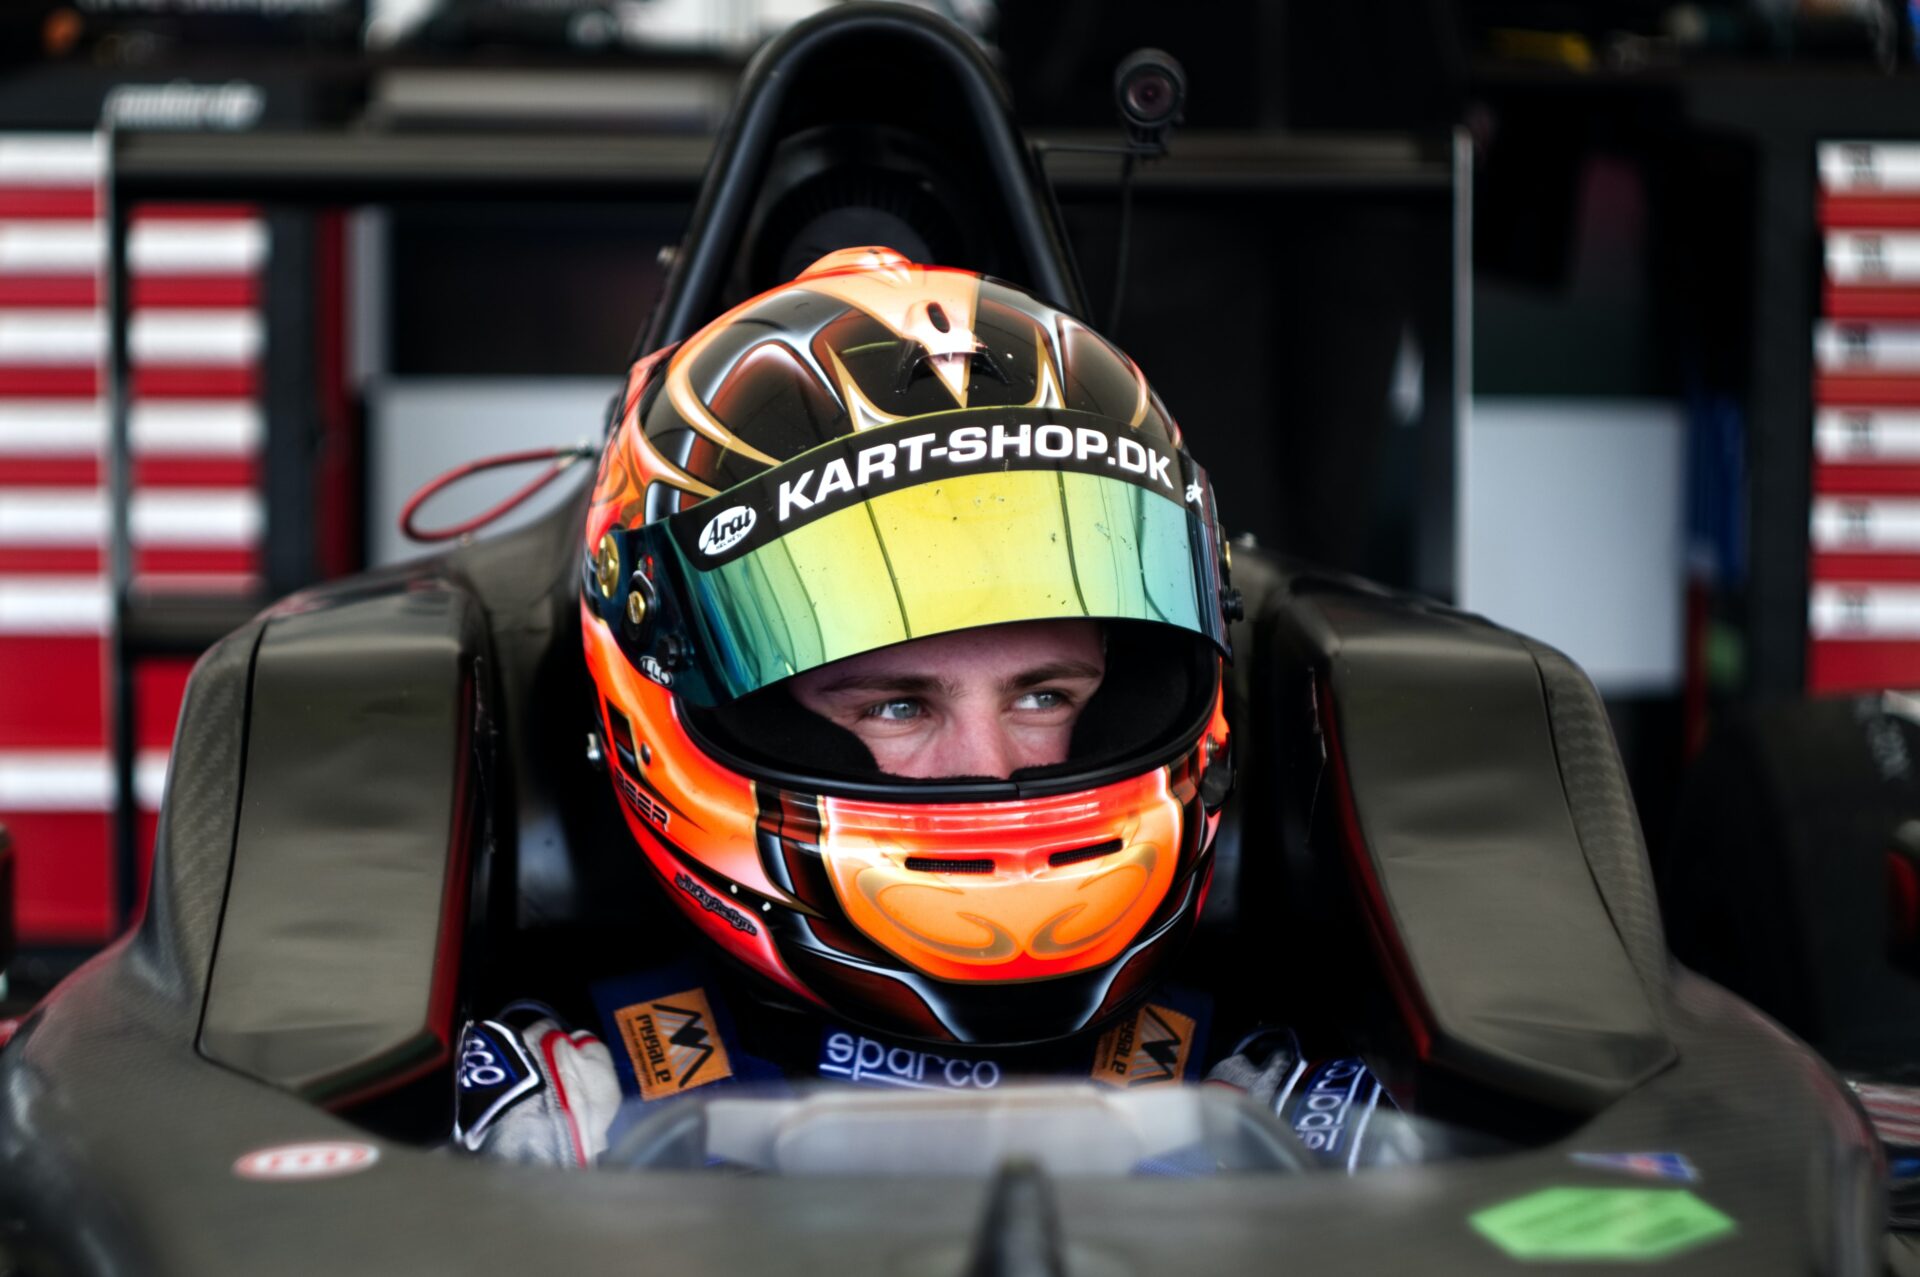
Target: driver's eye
(899,711)
(1042,700)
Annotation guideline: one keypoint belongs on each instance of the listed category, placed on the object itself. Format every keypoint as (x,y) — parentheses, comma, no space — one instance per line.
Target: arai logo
(726,529)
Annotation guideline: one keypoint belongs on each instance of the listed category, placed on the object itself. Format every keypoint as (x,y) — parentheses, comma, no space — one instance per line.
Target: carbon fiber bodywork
(378,803)
(127,1098)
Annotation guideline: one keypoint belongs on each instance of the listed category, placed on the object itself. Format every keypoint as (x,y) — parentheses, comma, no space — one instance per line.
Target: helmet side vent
(1078,854)
(622,733)
(950,865)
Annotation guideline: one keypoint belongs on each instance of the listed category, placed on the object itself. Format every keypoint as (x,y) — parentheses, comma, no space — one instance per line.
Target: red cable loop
(561,457)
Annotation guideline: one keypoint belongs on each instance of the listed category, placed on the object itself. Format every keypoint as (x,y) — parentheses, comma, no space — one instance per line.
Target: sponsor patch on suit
(1149,1048)
(495,1074)
(673,1044)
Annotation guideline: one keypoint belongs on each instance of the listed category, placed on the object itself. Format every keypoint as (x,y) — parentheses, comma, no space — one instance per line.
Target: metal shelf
(1228,161)
(364,166)
(359,166)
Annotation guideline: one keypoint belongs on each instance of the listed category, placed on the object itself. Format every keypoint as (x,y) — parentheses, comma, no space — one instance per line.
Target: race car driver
(907,611)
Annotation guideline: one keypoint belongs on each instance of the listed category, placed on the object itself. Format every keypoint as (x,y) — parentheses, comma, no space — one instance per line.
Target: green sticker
(1601,1223)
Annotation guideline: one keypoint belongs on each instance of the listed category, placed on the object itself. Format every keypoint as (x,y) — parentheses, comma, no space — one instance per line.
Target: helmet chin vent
(949,865)
(1079,854)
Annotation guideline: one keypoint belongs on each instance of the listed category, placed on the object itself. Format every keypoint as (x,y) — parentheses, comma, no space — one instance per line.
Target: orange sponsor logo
(1147,1049)
(673,1044)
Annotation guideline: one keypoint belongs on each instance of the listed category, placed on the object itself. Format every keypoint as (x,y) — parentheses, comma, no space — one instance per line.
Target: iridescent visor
(974,518)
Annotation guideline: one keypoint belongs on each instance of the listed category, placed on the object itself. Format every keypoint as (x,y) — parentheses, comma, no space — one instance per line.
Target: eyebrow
(1051,673)
(920,684)
(896,684)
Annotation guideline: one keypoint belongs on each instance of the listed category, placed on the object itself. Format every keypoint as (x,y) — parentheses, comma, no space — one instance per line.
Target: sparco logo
(858,1058)
(725,530)
(1320,1117)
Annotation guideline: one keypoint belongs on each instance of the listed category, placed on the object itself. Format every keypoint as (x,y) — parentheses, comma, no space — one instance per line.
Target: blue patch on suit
(495,1074)
(1329,1107)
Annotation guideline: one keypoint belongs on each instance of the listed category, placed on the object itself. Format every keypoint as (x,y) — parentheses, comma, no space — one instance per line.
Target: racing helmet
(875,452)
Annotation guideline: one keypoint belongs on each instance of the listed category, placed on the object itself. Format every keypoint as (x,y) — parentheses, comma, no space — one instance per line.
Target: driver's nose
(976,744)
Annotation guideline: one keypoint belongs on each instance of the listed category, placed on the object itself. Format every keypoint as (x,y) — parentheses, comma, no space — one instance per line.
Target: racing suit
(533,1090)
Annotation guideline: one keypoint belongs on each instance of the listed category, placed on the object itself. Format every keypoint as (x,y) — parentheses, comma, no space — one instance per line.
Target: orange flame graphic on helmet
(1004,909)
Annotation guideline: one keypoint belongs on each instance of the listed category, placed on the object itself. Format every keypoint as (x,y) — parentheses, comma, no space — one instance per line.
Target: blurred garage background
(1598,317)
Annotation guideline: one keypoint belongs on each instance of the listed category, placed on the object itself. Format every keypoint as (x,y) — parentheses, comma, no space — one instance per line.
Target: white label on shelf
(1863,611)
(51,427)
(1873,257)
(156,427)
(51,159)
(150,778)
(1869,166)
(52,247)
(157,517)
(75,780)
(55,780)
(210,337)
(1851,347)
(1866,524)
(155,246)
(63,338)
(1867,434)
(52,516)
(227,246)
(199,427)
(195,516)
(53,605)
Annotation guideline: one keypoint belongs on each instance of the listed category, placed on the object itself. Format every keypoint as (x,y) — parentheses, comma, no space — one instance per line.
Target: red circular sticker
(318,1160)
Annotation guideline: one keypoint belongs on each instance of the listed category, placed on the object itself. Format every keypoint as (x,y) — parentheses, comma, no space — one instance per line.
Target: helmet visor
(916,529)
